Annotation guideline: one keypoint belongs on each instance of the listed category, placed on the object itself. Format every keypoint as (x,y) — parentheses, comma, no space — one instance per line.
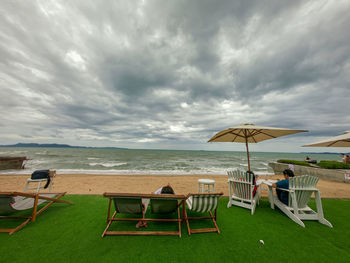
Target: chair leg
(229,204)
(20,226)
(109,209)
(214,221)
(179,218)
(38,188)
(26,187)
(253,207)
(188,224)
(320,214)
(35,207)
(288,213)
(109,224)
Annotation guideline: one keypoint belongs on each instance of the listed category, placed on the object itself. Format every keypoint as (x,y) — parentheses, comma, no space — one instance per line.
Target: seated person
(254,182)
(165,190)
(343,157)
(347,159)
(309,160)
(283,195)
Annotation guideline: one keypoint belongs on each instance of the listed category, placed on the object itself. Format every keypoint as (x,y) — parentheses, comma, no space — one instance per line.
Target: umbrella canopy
(249,133)
(336,141)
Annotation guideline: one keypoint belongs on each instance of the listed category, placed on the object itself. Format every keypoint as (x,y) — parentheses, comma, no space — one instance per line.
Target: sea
(150,162)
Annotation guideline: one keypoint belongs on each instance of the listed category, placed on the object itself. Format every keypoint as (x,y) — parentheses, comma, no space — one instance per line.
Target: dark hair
(288,172)
(167,190)
(251,173)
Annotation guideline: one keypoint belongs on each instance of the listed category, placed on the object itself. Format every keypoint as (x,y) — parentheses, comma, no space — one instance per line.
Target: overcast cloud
(170,74)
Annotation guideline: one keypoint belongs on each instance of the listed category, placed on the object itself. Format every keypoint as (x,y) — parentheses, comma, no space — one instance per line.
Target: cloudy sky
(170,74)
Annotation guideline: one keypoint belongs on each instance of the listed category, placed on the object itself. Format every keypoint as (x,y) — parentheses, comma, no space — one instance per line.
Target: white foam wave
(107,164)
(141,172)
(93,158)
(212,171)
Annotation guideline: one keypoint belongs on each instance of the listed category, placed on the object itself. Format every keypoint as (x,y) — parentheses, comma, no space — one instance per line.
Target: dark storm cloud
(151,73)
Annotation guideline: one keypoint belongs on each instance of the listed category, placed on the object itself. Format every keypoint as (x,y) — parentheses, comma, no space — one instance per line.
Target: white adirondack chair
(300,191)
(240,188)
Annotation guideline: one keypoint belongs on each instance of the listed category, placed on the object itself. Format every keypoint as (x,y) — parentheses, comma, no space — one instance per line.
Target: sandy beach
(182,184)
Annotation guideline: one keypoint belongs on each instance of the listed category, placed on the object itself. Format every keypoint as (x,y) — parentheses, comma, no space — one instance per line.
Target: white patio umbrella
(336,141)
(249,133)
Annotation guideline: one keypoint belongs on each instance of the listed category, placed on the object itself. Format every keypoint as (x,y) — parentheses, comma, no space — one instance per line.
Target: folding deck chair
(300,191)
(11,202)
(131,204)
(203,203)
(241,187)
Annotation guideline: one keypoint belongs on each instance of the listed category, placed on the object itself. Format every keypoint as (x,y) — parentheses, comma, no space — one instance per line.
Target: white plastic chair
(300,191)
(52,174)
(241,187)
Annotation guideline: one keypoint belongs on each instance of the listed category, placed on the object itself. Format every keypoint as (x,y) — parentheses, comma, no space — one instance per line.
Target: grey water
(130,161)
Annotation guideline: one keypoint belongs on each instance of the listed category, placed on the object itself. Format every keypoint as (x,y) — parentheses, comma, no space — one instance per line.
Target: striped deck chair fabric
(203,203)
(300,191)
(241,188)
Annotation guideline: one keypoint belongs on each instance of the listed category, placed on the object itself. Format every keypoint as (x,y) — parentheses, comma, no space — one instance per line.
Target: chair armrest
(259,182)
(283,189)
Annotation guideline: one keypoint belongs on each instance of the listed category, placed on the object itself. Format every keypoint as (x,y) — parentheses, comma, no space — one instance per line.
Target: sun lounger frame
(35,211)
(110,219)
(211,216)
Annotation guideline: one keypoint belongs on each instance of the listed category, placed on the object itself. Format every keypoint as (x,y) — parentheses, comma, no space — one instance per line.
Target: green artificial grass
(72,233)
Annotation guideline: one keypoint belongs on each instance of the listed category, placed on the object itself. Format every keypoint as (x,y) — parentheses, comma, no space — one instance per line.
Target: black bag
(42,174)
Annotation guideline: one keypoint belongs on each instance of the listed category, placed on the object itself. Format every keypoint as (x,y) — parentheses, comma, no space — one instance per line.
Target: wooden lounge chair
(11,202)
(241,187)
(132,204)
(203,203)
(300,191)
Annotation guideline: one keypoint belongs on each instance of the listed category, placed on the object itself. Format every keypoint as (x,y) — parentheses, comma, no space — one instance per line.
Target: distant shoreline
(60,146)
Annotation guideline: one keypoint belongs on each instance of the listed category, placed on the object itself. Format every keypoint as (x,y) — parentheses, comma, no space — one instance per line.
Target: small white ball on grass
(261,241)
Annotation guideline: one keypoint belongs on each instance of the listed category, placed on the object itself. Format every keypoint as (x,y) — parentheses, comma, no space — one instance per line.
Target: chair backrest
(242,183)
(299,184)
(5,203)
(204,202)
(163,205)
(128,205)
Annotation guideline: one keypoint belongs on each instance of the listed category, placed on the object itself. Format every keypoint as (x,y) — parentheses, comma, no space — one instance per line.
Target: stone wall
(328,174)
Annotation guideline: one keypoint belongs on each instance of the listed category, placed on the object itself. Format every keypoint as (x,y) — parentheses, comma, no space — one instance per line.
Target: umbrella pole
(246,145)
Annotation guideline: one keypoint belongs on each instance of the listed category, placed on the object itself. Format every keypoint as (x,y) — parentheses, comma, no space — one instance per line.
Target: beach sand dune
(182,184)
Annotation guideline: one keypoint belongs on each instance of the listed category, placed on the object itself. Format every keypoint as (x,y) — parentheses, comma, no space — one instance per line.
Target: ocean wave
(11,152)
(142,172)
(41,153)
(107,164)
(210,171)
(93,158)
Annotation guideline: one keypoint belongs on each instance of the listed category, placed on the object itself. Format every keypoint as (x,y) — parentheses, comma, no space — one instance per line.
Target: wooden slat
(162,196)
(142,233)
(203,230)
(147,219)
(6,230)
